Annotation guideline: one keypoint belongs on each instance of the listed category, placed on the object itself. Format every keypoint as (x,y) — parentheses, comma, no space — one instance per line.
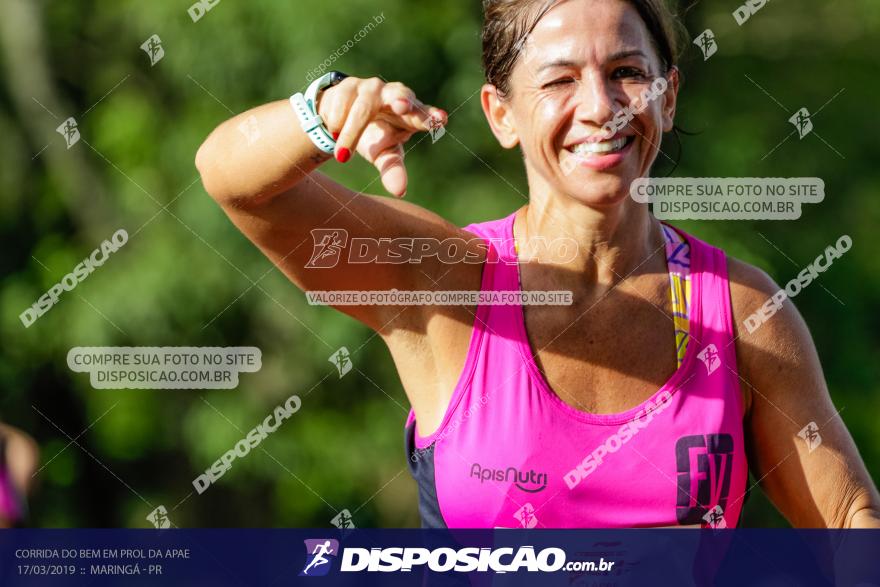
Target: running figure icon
(318,555)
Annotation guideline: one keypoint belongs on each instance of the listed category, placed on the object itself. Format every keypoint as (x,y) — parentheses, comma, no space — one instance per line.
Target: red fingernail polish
(343,155)
(335,136)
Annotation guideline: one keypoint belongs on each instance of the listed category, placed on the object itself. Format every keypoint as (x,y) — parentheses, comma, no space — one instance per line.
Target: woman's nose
(596,99)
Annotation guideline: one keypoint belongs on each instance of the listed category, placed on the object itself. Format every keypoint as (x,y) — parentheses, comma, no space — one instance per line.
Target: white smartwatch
(306,108)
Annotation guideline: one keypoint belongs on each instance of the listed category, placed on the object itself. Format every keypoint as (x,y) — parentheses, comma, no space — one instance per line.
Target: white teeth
(600,147)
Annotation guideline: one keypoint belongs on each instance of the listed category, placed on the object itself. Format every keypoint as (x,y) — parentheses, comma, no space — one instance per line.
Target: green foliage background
(187,277)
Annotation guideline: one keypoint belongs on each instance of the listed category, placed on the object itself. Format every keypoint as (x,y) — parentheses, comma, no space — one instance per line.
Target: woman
(640,404)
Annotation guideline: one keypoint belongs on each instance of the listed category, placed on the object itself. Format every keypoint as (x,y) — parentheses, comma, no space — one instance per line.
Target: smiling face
(588,101)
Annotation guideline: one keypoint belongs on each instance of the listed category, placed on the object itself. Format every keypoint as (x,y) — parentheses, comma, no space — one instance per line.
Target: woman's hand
(272,190)
(376,118)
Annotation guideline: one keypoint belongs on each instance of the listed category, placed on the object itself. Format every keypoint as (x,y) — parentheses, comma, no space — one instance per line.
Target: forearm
(256,155)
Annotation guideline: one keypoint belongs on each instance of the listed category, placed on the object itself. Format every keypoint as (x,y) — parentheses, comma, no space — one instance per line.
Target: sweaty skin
(588,60)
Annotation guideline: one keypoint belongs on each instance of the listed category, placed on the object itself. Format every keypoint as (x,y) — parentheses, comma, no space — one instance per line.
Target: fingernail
(335,136)
(343,155)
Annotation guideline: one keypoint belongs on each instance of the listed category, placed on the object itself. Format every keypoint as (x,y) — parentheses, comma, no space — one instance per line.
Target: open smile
(599,155)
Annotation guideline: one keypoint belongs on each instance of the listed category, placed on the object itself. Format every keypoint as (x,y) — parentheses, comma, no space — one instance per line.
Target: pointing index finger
(404,110)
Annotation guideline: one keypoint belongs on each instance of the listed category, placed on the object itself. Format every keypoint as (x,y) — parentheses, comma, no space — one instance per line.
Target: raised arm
(261,168)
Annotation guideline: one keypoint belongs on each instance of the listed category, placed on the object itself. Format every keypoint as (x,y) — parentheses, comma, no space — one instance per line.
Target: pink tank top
(510,454)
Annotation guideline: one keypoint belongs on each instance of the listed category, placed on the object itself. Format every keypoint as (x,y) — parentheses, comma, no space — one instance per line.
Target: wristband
(305,107)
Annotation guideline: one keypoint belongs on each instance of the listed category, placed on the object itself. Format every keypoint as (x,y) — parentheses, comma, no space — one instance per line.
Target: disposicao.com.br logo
(441,560)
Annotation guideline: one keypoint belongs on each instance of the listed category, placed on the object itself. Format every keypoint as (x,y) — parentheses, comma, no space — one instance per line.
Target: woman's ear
(500,116)
(670,99)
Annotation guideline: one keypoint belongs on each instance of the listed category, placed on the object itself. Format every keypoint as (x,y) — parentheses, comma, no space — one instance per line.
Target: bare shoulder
(763,314)
(772,339)
(750,287)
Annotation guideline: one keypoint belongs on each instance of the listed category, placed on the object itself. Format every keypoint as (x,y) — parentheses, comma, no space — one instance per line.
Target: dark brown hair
(508,23)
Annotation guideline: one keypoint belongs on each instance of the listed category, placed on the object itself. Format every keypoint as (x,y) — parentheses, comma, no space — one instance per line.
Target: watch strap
(305,105)
(312,124)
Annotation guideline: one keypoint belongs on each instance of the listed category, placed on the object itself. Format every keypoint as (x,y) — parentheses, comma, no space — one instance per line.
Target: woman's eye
(632,72)
(558,82)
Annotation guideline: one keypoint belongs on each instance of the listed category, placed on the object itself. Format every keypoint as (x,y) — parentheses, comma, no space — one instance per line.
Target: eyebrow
(624,54)
(614,57)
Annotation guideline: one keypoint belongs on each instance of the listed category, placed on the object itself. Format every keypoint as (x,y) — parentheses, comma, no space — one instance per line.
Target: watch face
(336,77)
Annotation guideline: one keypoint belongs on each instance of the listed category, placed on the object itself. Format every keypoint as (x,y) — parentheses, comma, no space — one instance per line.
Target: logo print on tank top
(528,481)
(704,463)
